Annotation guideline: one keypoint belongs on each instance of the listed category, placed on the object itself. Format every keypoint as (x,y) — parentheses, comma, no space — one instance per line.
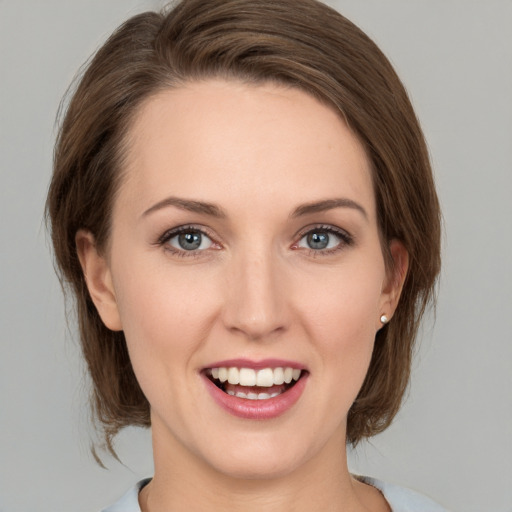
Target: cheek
(345,304)
(341,320)
(165,313)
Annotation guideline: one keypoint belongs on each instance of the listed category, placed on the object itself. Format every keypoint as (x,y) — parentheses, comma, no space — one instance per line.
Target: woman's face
(244,246)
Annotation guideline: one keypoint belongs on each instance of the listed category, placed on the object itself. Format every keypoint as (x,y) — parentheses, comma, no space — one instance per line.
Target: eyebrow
(214,211)
(188,205)
(328,204)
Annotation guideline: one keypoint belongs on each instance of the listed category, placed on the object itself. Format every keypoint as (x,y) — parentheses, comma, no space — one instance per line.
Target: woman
(243,205)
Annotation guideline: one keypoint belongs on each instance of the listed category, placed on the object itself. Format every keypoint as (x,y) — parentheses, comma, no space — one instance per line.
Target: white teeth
(247,377)
(267,377)
(278,376)
(252,396)
(223,374)
(233,376)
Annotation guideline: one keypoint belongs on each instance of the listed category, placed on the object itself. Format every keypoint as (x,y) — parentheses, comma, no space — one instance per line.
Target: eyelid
(346,238)
(185,228)
(324,227)
(169,233)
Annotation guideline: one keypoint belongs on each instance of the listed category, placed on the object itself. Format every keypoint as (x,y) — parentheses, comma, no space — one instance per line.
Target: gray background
(452,440)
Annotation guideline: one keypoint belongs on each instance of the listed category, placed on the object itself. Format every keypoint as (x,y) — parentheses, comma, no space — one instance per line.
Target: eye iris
(190,241)
(318,240)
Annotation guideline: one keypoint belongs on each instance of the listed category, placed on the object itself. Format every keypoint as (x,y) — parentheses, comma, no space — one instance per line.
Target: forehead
(225,141)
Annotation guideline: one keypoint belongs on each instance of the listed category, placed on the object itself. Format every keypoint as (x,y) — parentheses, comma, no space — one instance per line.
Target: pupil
(189,241)
(318,240)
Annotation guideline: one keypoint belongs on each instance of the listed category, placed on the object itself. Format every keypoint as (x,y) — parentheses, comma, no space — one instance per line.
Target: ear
(98,279)
(395,279)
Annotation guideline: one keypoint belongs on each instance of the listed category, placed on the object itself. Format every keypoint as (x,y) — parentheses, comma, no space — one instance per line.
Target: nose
(256,303)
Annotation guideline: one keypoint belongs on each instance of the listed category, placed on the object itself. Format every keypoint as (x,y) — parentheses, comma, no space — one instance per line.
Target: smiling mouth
(254,384)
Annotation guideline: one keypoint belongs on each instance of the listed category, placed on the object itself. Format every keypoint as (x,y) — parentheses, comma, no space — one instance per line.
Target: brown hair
(300,43)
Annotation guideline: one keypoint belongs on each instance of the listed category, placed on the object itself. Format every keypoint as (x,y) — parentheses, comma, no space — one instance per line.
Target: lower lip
(257,409)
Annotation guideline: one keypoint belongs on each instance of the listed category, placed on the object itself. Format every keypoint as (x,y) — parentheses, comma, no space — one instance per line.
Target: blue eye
(190,240)
(322,239)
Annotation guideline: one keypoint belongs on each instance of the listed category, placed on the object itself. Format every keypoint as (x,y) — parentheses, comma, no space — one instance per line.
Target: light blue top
(399,498)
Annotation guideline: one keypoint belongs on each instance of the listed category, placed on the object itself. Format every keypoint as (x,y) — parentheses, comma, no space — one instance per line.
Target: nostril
(257,330)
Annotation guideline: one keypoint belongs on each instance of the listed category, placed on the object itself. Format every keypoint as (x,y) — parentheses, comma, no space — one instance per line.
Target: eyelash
(346,240)
(182,253)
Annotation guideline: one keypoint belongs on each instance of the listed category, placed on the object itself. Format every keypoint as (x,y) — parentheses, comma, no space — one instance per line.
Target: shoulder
(401,499)
(130,501)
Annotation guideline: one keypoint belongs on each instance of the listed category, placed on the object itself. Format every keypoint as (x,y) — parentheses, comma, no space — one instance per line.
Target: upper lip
(256,365)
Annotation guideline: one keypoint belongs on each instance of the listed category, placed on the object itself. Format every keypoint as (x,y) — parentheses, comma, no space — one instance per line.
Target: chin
(261,459)
(260,468)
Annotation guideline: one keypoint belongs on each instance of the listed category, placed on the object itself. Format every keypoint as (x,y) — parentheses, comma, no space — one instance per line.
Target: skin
(254,290)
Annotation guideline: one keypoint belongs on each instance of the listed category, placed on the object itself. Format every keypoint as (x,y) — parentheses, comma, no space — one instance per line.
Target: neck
(183,481)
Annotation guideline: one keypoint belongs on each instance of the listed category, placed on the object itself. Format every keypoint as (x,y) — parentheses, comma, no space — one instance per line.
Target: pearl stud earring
(384,319)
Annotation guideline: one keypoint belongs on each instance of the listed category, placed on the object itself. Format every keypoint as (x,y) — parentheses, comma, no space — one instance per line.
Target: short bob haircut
(297,43)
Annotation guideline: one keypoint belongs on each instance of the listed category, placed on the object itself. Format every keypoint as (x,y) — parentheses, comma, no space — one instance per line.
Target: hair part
(297,43)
